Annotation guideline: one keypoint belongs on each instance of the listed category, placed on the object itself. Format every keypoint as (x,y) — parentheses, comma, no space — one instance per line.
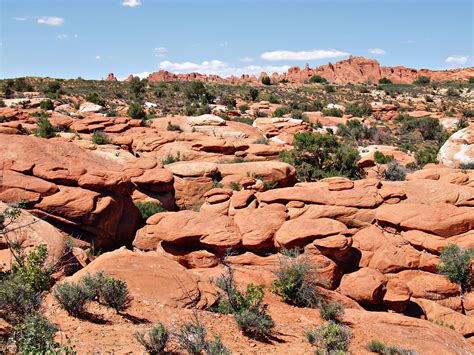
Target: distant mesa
(352,70)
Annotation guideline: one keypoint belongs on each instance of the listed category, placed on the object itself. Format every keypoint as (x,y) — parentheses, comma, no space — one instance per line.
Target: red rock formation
(351,70)
(111,77)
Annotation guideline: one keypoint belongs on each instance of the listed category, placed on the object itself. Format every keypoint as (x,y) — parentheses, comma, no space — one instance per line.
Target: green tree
(266,80)
(135,110)
(456,266)
(316,156)
(422,80)
(384,81)
(137,88)
(317,79)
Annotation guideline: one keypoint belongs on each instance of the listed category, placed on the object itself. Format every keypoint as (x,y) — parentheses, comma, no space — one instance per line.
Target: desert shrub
(136,111)
(100,138)
(378,347)
(471,80)
(452,92)
(431,129)
(197,92)
(456,266)
(245,120)
(359,110)
(357,131)
(462,123)
(95,98)
(234,185)
(422,80)
(137,87)
(114,294)
(316,156)
(330,336)
(19,298)
(331,311)
(253,94)
(266,80)
(170,158)
(92,284)
(426,156)
(35,335)
(191,338)
(244,107)
(280,111)
(329,89)
(154,340)
(173,127)
(2,103)
(249,311)
(384,81)
(317,79)
(428,98)
(364,90)
(45,129)
(261,140)
(216,347)
(72,297)
(149,208)
(229,102)
(394,172)
(47,105)
(381,158)
(53,89)
(299,115)
(296,280)
(333,112)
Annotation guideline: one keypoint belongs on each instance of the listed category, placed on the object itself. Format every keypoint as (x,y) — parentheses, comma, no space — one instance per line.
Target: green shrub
(317,79)
(192,338)
(149,208)
(316,156)
(381,158)
(154,340)
(172,158)
(92,284)
(266,80)
(45,129)
(452,92)
(229,102)
(384,81)
(330,336)
(47,105)
(394,172)
(18,298)
(253,93)
(72,297)
(216,347)
(137,88)
(244,107)
(2,103)
(261,140)
(114,293)
(299,115)
(426,156)
(173,127)
(245,120)
(333,112)
(422,80)
(456,266)
(378,347)
(357,131)
(197,92)
(255,323)
(234,185)
(471,80)
(95,99)
(329,89)
(35,335)
(331,311)
(296,280)
(100,138)
(280,111)
(359,110)
(136,111)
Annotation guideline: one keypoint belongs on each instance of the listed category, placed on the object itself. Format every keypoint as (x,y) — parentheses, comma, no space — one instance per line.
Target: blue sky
(90,38)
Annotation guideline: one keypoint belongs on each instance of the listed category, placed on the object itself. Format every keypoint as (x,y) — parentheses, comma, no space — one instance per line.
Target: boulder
(397,296)
(458,149)
(90,107)
(365,286)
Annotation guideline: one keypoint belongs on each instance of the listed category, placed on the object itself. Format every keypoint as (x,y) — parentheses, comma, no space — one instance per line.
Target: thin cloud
(160,51)
(246,59)
(224,44)
(377,51)
(220,68)
(457,59)
(62,36)
(131,3)
(51,21)
(20,18)
(303,55)
(98,57)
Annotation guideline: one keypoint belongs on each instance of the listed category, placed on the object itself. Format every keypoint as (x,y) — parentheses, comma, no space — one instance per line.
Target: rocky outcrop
(458,150)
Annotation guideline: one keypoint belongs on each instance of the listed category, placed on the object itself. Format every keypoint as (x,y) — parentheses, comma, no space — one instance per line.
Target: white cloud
(98,57)
(220,68)
(160,51)
(131,3)
(51,21)
(246,59)
(224,44)
(303,55)
(62,36)
(141,75)
(378,51)
(457,60)
(20,18)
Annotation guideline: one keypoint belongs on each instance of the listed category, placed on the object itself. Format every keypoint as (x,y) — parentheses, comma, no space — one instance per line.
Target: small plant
(452,92)
(280,111)
(149,208)
(261,140)
(329,89)
(72,297)
(172,158)
(381,158)
(384,81)
(376,346)
(100,138)
(331,311)
(394,172)
(359,110)
(114,293)
(244,107)
(45,129)
(192,337)
(422,80)
(330,336)
(296,280)
(95,99)
(334,112)
(317,79)
(234,185)
(173,127)
(136,111)
(154,340)
(253,94)
(266,80)
(47,105)
(456,266)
